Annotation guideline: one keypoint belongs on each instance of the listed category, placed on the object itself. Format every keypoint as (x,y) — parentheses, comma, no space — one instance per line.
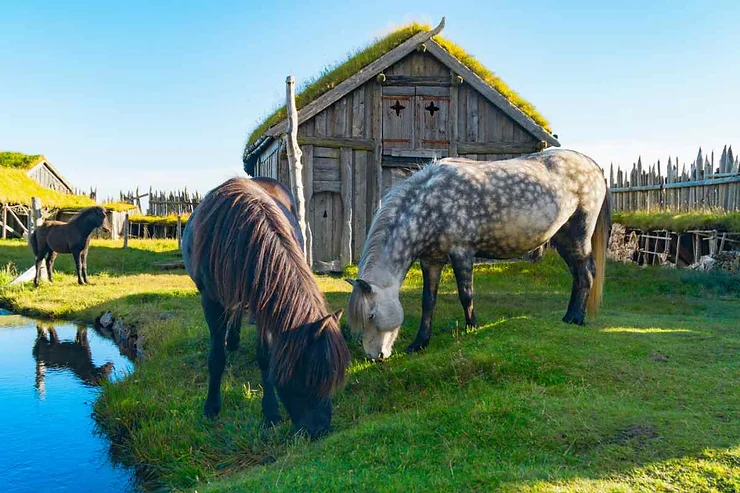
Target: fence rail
(704,185)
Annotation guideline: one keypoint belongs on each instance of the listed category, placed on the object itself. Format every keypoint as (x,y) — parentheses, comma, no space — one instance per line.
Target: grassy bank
(680,221)
(642,399)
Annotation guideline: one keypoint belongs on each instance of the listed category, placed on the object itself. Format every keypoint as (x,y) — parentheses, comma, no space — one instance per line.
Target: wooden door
(432,108)
(326,214)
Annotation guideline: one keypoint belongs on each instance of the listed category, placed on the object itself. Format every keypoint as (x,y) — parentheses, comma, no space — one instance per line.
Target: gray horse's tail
(599,244)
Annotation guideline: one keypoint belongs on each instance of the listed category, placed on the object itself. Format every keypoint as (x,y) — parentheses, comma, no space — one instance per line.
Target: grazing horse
(458,209)
(242,250)
(55,237)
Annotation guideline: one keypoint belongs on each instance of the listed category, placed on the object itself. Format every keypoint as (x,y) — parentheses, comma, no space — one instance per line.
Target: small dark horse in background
(50,352)
(55,237)
(242,249)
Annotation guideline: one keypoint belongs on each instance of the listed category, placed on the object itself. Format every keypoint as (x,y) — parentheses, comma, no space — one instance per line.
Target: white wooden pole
(294,155)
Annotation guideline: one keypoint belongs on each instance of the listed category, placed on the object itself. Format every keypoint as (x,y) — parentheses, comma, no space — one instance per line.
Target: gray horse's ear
(338,315)
(363,285)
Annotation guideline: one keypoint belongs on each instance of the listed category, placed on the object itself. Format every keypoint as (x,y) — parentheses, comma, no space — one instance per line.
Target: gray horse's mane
(384,221)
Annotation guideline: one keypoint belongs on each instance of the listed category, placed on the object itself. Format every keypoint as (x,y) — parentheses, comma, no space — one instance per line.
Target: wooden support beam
(5,221)
(345,160)
(294,154)
(497,148)
(338,142)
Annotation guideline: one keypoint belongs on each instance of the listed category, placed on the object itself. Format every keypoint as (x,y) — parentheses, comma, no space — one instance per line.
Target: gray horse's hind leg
(462,265)
(431,273)
(573,243)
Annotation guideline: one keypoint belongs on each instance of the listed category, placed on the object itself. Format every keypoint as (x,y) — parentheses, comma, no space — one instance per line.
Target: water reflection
(50,375)
(50,352)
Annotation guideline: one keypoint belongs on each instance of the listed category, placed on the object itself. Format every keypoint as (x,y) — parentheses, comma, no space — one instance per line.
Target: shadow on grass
(522,399)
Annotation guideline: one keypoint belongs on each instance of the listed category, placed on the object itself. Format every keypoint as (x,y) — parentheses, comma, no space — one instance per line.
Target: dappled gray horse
(457,209)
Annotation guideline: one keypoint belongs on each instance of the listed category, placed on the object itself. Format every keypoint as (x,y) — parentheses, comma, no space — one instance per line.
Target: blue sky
(135,93)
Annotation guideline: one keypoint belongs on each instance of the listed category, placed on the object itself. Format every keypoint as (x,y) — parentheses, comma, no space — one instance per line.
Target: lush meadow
(644,398)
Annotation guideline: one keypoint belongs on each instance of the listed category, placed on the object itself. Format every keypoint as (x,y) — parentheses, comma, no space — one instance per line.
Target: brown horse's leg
(50,259)
(40,254)
(83,263)
(216,319)
(270,409)
(78,265)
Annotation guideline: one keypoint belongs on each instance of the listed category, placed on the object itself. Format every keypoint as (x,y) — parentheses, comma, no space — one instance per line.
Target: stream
(50,376)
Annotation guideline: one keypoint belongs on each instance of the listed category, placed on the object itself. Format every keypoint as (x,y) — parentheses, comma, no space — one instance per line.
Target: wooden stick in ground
(125,230)
(294,153)
(179,232)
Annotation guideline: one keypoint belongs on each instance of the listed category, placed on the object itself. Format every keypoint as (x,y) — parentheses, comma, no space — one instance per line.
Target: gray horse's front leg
(462,265)
(431,273)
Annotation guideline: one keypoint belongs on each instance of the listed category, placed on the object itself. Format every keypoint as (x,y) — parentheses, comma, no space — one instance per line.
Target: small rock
(106,320)
(119,331)
(658,357)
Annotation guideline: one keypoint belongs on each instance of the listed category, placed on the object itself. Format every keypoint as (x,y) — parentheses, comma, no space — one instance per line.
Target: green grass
(644,398)
(333,75)
(680,222)
(19,160)
(169,220)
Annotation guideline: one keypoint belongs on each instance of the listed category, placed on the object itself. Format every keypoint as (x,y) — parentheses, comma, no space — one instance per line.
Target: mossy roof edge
(332,76)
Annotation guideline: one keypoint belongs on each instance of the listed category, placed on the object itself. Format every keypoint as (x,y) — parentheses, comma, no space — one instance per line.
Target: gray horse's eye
(372,316)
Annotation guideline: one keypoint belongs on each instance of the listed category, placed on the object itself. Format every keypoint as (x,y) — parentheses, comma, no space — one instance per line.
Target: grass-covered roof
(331,76)
(18,160)
(16,187)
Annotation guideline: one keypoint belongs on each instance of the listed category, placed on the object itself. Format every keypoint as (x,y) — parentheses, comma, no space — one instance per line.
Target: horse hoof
(211,412)
(416,347)
(573,319)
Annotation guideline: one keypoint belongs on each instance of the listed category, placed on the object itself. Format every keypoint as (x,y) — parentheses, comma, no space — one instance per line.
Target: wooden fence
(703,185)
(177,202)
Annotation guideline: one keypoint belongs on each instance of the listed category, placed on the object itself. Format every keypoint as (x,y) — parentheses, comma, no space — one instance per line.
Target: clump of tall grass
(8,272)
(680,221)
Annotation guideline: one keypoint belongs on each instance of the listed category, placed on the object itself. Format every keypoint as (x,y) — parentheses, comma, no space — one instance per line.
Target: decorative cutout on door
(398,107)
(431,108)
(325,213)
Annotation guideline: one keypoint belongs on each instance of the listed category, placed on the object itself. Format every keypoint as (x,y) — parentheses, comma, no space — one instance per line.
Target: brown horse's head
(105,224)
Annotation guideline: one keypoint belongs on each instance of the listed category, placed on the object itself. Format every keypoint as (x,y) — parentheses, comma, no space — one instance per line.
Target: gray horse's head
(377,312)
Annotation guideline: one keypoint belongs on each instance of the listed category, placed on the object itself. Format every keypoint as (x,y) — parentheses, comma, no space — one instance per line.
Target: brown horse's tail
(599,244)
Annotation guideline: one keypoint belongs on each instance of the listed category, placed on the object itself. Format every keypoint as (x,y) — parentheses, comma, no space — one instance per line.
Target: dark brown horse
(241,248)
(50,352)
(55,237)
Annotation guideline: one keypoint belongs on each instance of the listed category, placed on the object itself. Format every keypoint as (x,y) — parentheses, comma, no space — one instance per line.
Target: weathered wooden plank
(472,116)
(340,118)
(452,119)
(327,186)
(494,96)
(327,152)
(338,142)
(358,112)
(320,124)
(419,153)
(345,87)
(398,91)
(414,81)
(360,203)
(439,92)
(494,148)
(347,212)
(417,64)
(377,135)
(326,170)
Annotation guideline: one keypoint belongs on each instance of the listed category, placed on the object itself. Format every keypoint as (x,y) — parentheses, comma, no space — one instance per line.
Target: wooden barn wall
(349,118)
(344,162)
(44,177)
